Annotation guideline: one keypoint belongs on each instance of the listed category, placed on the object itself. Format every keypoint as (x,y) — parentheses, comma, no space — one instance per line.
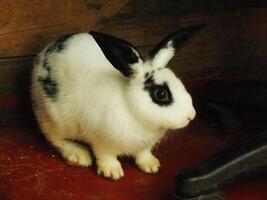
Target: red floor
(30,169)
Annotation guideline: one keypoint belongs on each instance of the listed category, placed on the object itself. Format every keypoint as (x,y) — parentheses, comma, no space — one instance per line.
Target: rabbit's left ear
(165,50)
(120,53)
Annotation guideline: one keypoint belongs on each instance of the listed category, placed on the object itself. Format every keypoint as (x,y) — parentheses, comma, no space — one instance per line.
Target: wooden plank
(27,26)
(183,7)
(250,24)
(145,31)
(109,9)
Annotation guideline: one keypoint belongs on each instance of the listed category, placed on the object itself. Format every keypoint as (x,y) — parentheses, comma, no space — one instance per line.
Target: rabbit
(97,89)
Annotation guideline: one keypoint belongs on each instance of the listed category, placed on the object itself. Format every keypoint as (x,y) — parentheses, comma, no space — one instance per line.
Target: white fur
(164,55)
(98,106)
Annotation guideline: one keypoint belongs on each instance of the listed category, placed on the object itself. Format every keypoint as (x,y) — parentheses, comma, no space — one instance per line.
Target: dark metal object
(217,195)
(201,182)
(239,159)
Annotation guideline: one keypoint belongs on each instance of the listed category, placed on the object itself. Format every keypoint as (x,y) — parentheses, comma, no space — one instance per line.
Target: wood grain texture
(249,24)
(234,39)
(27,26)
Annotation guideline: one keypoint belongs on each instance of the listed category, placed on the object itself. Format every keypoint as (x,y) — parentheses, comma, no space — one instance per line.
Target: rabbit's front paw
(110,168)
(75,154)
(147,162)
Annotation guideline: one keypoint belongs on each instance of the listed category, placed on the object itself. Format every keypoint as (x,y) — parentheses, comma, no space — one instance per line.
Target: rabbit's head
(153,93)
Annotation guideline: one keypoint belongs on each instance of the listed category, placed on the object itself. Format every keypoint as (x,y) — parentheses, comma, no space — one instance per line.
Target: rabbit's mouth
(189,119)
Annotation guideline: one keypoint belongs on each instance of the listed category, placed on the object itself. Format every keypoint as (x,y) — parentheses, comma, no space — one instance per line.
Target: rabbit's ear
(120,53)
(166,49)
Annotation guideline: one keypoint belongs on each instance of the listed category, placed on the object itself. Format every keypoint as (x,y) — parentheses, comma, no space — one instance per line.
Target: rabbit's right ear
(120,53)
(165,50)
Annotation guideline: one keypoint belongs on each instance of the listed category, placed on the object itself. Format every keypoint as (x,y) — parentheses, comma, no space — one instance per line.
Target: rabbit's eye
(161,94)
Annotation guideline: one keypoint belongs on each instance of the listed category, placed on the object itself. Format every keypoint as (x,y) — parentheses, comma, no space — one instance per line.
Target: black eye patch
(160,94)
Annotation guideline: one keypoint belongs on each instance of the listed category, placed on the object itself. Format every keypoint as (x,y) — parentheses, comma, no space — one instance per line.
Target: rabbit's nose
(191,115)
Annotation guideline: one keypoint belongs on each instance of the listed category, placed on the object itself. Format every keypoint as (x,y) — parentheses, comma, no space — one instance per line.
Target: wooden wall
(235,38)
(234,42)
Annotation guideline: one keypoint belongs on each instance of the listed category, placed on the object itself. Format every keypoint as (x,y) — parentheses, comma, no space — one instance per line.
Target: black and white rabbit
(97,89)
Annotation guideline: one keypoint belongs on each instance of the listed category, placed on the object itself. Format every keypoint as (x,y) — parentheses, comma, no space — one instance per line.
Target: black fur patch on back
(154,89)
(50,86)
(59,44)
(46,65)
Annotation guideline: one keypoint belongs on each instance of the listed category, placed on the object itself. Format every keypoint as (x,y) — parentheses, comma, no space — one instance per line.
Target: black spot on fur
(149,74)
(50,86)
(59,44)
(155,89)
(46,65)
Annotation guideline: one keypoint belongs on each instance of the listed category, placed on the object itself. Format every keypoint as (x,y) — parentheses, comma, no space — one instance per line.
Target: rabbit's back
(75,87)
